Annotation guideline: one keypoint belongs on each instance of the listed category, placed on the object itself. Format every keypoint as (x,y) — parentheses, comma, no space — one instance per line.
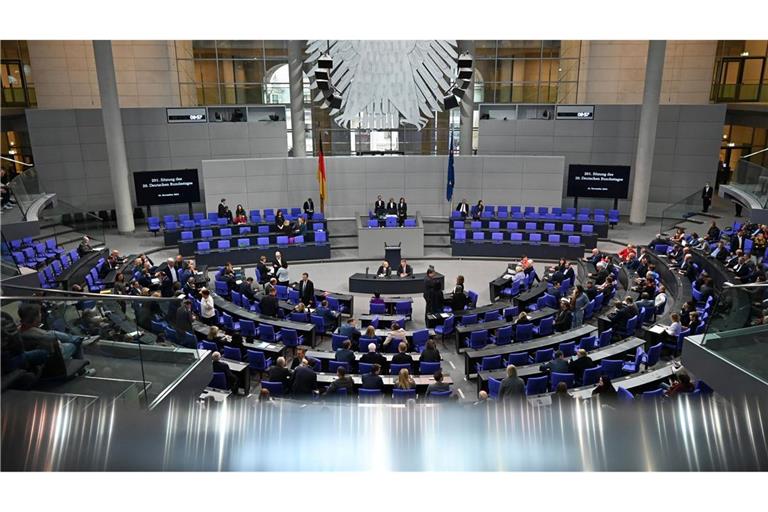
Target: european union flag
(449,184)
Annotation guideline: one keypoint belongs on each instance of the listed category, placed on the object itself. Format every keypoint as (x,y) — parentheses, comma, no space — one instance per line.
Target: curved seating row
(391,221)
(189,246)
(544,212)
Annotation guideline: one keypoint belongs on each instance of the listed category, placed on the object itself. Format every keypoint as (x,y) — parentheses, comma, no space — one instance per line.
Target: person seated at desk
(391,206)
(379,207)
(564,317)
(402,357)
(581,363)
(279,373)
(343,381)
(438,386)
(270,285)
(558,365)
(522,319)
(345,354)
(219,366)
(309,208)
(402,211)
(327,314)
(396,333)
(713,233)
(304,380)
(707,289)
(744,269)
(280,261)
(732,260)
(373,357)
(300,229)
(430,353)
(590,291)
(477,210)
(601,274)
(36,338)
(373,380)
(384,270)
(693,321)
(350,330)
(240,216)
(681,383)
(85,246)
(627,253)
(248,288)
(459,299)
(279,220)
(404,380)
(269,304)
(607,287)
(404,270)
(463,208)
(604,388)
(594,257)
(215,335)
(376,299)
(286,228)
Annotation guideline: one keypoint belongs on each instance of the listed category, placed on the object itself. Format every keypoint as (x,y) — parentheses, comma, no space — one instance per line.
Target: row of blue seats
(514,225)
(47,275)
(29,253)
(398,395)
(213,219)
(544,212)
(240,230)
(460,235)
(391,222)
(320,238)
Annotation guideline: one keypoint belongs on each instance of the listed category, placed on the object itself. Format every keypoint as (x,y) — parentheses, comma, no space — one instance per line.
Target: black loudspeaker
(465,61)
(459,92)
(325,62)
(465,74)
(335,102)
(321,74)
(322,85)
(462,84)
(450,102)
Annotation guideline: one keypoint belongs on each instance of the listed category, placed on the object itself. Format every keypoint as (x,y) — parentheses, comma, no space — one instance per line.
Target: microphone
(366,271)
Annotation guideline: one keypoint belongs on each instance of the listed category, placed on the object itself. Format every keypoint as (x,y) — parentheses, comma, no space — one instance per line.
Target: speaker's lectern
(392,255)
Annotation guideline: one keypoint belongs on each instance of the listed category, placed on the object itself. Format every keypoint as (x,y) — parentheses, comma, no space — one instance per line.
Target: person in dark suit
(404,270)
(218,366)
(171,272)
(309,208)
(373,357)
(304,380)
(269,303)
(85,246)
(324,311)
(569,273)
(306,290)
(261,266)
(459,298)
(706,197)
(345,354)
(557,365)
(402,357)
(477,210)
(373,380)
(594,257)
(737,241)
(246,288)
(720,253)
(384,270)
(581,363)
(184,318)
(379,207)
(349,329)
(279,220)
(391,206)
(564,317)
(343,381)
(463,208)
(430,353)
(224,211)
(438,386)
(279,373)
(432,293)
(402,211)
(280,261)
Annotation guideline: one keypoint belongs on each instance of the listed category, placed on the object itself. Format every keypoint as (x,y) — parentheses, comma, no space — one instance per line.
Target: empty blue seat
(403,394)
(494,224)
(611,367)
(534,237)
(530,226)
(232,353)
(409,223)
(243,242)
(543,355)
(460,235)
(489,363)
(153,224)
(274,388)
(428,368)
(225,232)
(549,226)
(556,378)
(568,227)
(223,244)
(219,381)
(478,235)
(203,246)
(373,223)
(523,332)
(553,239)
(206,233)
(497,236)
(591,376)
(516,237)
(478,339)
(536,385)
(574,239)
(282,240)
(262,240)
(503,336)
(587,228)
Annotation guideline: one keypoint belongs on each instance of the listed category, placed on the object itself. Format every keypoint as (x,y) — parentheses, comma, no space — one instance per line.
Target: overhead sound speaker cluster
(322,79)
(460,85)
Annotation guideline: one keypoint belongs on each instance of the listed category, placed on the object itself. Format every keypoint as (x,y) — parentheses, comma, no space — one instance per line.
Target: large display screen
(609,181)
(166,187)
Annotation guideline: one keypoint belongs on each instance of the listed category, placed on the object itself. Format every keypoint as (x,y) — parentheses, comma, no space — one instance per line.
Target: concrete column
(467,105)
(113,130)
(296,85)
(646,140)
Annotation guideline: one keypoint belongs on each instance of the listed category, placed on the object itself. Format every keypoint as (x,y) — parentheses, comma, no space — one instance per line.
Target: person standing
(706,197)
(402,211)
(306,290)
(512,387)
(309,208)
(379,207)
(432,293)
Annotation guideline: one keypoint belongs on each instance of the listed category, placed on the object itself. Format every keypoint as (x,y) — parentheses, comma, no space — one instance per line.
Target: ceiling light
(745,54)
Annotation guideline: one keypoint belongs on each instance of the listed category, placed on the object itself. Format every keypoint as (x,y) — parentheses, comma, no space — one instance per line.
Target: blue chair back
(557,378)
(368,393)
(611,367)
(504,336)
(568,349)
(333,366)
(266,332)
(364,368)
(275,388)
(428,368)
(546,326)
(494,385)
(394,369)
(289,337)
(232,353)
(591,376)
(523,332)
(219,381)
(653,395)
(490,363)
(605,338)
(337,341)
(478,339)
(378,309)
(403,394)
(247,327)
(420,338)
(544,355)
(518,359)
(536,385)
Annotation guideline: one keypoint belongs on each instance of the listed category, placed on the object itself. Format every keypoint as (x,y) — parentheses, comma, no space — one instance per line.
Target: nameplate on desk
(657,329)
